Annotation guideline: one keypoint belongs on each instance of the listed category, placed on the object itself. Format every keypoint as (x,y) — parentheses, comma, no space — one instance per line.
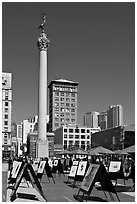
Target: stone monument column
(42,143)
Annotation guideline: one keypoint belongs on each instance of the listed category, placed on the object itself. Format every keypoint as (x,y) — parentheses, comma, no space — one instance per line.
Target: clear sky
(91,43)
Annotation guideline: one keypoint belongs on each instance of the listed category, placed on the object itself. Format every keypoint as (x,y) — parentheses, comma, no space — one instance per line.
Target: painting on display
(16,168)
(114,166)
(73,171)
(55,162)
(81,168)
(35,165)
(89,177)
(41,167)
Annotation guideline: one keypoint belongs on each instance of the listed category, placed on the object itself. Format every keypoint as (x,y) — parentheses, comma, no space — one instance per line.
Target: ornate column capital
(43,42)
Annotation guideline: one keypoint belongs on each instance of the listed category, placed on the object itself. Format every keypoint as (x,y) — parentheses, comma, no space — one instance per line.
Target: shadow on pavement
(81,198)
(118,188)
(27,196)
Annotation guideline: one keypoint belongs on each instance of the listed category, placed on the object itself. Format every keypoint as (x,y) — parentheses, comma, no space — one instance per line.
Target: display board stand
(97,173)
(28,173)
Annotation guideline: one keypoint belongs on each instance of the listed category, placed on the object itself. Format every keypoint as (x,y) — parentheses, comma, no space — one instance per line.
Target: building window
(67,114)
(62,115)
(56,114)
(56,93)
(6,103)
(56,119)
(67,94)
(56,104)
(65,135)
(67,99)
(5,122)
(70,143)
(5,139)
(76,136)
(82,136)
(56,109)
(56,99)
(62,104)
(6,116)
(56,124)
(70,130)
(61,119)
(70,136)
(6,110)
(77,143)
(73,120)
(67,104)
(62,109)
(73,105)
(67,110)
(67,120)
(72,95)
(6,97)
(88,131)
(73,99)
(82,130)
(62,99)
(62,94)
(72,110)
(87,136)
(76,130)
(65,130)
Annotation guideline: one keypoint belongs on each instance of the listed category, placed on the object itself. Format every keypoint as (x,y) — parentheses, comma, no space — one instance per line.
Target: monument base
(42,148)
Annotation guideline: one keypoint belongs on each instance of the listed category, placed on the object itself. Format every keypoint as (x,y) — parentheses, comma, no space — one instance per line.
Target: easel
(97,173)
(29,174)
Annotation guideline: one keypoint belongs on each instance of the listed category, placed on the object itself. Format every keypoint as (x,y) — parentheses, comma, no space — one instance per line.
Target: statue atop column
(43,41)
(43,24)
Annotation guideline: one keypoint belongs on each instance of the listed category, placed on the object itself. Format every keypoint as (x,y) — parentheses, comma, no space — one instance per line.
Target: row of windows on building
(63,99)
(57,104)
(71,130)
(64,94)
(76,136)
(64,120)
(67,110)
(64,115)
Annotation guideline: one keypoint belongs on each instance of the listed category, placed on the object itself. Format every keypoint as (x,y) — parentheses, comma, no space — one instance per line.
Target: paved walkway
(64,192)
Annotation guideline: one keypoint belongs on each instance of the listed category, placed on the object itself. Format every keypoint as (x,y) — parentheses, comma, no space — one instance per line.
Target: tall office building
(62,103)
(115,116)
(91,119)
(6,113)
(102,120)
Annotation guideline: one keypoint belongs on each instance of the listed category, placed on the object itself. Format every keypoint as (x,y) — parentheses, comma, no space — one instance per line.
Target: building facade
(102,120)
(115,116)
(62,103)
(32,140)
(6,114)
(114,138)
(72,135)
(91,119)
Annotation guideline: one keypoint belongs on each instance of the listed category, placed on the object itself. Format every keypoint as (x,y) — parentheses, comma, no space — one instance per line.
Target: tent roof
(100,150)
(79,151)
(130,149)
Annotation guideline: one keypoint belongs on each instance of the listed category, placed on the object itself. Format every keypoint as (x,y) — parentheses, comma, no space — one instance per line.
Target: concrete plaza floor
(60,191)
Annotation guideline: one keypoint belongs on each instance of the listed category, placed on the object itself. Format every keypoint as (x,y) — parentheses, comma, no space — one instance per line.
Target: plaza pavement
(64,192)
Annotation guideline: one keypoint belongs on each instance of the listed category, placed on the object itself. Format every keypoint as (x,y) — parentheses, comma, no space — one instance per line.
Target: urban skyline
(94,45)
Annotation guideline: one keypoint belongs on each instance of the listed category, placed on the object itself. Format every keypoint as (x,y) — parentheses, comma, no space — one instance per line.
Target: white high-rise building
(91,119)
(6,113)
(115,116)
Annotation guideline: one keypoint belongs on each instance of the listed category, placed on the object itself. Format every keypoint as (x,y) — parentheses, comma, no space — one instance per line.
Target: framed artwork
(41,167)
(16,168)
(55,162)
(89,177)
(114,166)
(73,171)
(81,168)
(35,165)
(75,163)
